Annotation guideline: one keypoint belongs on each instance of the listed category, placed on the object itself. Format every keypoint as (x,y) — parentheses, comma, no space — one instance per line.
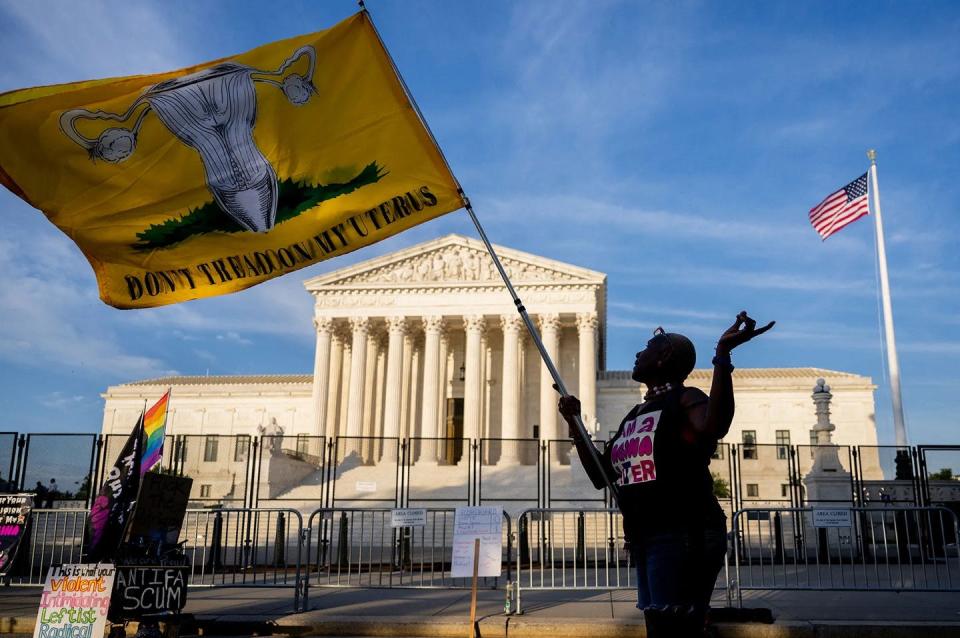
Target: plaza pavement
(444,613)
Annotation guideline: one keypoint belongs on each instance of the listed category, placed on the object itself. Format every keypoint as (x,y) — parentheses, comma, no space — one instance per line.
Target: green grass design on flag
(293,198)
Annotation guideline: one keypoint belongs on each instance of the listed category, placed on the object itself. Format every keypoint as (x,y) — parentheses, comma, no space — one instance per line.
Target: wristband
(723,360)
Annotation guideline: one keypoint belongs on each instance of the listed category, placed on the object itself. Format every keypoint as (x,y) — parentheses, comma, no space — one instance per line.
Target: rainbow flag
(154,427)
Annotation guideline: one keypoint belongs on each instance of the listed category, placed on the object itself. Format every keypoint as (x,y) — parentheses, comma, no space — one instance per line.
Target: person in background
(41,494)
(52,493)
(659,458)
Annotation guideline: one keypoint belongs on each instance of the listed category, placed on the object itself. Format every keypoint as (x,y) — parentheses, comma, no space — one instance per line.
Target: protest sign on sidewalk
(75,601)
(471,523)
(14,515)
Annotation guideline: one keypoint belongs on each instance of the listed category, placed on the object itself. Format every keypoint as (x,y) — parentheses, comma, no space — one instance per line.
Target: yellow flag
(215,178)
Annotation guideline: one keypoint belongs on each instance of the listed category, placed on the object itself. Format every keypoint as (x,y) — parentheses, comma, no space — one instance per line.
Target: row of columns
(349,372)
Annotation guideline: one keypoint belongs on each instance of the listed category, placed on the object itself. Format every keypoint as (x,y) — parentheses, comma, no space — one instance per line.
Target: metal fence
(353,547)
(308,472)
(905,548)
(233,547)
(571,549)
(848,548)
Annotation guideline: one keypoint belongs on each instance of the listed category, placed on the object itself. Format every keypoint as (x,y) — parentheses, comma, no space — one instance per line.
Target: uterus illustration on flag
(213,111)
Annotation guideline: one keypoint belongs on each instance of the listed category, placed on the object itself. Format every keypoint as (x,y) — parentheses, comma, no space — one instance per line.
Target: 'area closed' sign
(832,517)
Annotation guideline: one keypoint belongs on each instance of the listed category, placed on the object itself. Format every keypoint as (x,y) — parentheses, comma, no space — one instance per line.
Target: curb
(310,623)
(320,624)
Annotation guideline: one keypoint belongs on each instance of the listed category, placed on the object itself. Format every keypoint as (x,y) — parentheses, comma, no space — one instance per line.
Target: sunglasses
(660,332)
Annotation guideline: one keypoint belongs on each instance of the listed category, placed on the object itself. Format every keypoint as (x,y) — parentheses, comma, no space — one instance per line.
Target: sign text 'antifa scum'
(357,230)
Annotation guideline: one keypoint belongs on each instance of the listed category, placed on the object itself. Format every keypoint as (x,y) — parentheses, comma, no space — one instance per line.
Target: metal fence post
(215,561)
(280,542)
(22,461)
(580,552)
(95,471)
(343,542)
(524,541)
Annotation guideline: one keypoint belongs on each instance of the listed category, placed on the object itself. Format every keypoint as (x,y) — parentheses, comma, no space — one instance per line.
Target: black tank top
(665,482)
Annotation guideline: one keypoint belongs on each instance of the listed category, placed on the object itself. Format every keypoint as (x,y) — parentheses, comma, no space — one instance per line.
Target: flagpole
(547,360)
(899,427)
(534,335)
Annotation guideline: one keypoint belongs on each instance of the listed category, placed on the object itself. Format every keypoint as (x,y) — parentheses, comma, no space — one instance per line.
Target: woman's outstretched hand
(743,330)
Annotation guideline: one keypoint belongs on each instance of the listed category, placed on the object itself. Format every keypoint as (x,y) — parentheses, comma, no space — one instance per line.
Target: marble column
(379,400)
(474,326)
(443,374)
(414,426)
(358,368)
(321,374)
(369,395)
(345,384)
(333,391)
(550,335)
(396,330)
(405,383)
(486,427)
(587,334)
(511,325)
(432,327)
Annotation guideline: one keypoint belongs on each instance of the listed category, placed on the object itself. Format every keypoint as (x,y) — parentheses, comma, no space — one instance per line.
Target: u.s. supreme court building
(422,363)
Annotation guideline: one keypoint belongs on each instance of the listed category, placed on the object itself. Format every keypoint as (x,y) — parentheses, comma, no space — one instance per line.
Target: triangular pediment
(454,260)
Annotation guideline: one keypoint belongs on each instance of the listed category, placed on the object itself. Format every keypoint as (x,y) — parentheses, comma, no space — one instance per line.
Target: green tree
(721,489)
(945,474)
(83,492)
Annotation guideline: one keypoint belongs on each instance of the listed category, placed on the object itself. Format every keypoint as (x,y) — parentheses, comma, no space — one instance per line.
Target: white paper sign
(471,523)
(75,601)
(408,517)
(834,517)
(366,486)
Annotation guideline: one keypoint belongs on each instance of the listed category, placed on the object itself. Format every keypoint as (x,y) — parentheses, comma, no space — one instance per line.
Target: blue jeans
(678,568)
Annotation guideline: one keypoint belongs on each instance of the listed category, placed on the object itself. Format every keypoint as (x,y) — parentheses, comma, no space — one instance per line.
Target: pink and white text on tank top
(632,453)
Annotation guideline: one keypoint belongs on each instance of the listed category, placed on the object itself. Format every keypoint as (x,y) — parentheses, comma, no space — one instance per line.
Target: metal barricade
(846,548)
(352,547)
(224,547)
(571,549)
(52,537)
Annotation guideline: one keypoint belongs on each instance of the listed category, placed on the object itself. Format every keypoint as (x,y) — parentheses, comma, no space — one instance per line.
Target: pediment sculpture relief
(455,264)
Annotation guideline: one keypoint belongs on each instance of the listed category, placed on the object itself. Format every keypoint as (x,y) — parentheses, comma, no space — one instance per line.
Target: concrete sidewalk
(443,613)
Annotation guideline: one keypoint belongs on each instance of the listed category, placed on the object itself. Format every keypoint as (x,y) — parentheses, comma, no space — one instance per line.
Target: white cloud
(233,337)
(668,311)
(60,401)
(568,88)
(616,218)
(63,43)
(47,303)
(935,347)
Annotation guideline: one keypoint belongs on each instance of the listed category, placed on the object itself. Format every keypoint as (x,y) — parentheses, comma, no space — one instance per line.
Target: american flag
(843,207)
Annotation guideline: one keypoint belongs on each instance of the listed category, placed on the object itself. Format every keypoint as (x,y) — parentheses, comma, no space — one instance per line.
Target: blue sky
(675,146)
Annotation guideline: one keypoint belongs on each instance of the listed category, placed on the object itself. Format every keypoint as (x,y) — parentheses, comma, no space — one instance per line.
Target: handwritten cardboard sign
(14,515)
(145,590)
(471,523)
(75,601)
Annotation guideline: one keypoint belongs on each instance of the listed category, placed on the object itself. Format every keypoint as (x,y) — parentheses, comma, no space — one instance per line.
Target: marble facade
(426,343)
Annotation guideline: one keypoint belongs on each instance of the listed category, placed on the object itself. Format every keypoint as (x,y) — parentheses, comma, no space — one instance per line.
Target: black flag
(114,503)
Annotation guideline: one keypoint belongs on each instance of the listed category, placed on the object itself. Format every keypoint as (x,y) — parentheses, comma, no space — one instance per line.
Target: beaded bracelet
(723,360)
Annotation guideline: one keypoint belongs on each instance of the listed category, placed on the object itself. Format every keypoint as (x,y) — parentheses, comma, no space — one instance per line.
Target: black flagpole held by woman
(594,457)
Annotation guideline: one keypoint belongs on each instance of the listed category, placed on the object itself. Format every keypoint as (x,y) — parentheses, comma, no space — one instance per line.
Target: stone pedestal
(827,484)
